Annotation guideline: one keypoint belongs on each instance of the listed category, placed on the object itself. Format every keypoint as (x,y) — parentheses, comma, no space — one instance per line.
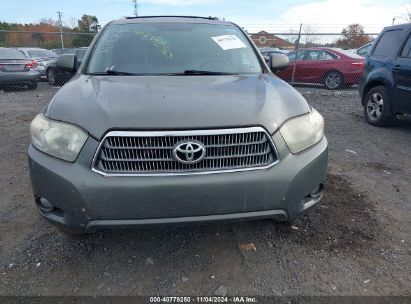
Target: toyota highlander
(175,120)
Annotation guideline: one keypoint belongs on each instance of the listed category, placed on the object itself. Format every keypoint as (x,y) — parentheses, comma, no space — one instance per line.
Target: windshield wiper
(186,72)
(114,72)
(200,72)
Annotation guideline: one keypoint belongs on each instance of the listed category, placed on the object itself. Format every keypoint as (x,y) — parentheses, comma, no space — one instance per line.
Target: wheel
(32,85)
(333,80)
(51,77)
(377,108)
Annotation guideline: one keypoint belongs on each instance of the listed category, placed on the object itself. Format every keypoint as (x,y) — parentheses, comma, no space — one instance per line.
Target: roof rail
(198,17)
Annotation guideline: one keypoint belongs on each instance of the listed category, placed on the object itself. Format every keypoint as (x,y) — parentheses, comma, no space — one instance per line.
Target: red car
(329,66)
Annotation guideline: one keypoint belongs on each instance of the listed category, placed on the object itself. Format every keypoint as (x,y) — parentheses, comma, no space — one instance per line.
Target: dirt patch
(345,220)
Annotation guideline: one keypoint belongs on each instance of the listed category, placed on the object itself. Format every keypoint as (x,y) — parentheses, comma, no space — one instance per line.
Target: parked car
(331,67)
(192,127)
(56,76)
(385,86)
(17,70)
(267,51)
(362,51)
(43,57)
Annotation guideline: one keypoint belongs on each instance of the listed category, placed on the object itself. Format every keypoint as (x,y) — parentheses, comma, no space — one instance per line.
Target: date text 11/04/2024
(204,299)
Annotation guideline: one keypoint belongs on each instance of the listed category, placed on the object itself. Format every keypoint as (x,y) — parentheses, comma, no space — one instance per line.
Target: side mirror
(67,62)
(278,62)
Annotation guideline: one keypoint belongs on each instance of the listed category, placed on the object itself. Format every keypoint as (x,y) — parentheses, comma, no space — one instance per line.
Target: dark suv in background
(385,86)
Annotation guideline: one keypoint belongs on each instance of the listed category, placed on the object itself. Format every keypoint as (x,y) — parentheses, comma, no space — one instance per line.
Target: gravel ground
(355,242)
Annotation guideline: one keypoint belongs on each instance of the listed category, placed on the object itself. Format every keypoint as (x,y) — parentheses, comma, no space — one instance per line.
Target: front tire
(333,80)
(377,107)
(51,77)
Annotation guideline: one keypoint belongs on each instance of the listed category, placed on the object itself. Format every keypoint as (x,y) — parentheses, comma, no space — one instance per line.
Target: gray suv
(175,120)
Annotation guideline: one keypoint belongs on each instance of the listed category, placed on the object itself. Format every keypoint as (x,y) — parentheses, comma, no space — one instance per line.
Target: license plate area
(14,67)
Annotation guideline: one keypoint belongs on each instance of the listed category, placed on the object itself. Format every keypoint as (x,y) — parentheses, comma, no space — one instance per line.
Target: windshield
(292,56)
(41,53)
(162,48)
(10,54)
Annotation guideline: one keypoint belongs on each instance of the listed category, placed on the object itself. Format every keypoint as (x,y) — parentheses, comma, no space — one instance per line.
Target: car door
(402,78)
(304,67)
(315,65)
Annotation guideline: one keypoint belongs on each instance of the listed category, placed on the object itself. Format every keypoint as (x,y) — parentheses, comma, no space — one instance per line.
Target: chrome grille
(150,153)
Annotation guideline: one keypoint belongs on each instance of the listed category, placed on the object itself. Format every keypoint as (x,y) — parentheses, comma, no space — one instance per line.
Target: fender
(377,76)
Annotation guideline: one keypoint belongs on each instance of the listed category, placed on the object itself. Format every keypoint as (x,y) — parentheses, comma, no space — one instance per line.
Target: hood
(102,103)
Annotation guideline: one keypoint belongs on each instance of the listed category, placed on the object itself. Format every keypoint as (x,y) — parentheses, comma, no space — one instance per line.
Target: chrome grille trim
(135,149)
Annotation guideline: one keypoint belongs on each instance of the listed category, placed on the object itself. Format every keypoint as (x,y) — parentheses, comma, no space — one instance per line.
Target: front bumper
(86,201)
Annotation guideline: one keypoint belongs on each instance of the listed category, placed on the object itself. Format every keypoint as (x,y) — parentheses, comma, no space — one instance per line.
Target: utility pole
(393,20)
(135,8)
(297,46)
(59,14)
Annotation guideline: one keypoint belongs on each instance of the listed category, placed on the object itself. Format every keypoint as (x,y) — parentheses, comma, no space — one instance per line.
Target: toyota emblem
(189,152)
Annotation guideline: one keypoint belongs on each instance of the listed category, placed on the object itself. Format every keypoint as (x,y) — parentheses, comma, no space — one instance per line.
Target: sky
(272,15)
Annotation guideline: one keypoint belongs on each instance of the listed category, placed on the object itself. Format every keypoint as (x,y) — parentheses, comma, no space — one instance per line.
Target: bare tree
(308,35)
(48,21)
(292,36)
(73,22)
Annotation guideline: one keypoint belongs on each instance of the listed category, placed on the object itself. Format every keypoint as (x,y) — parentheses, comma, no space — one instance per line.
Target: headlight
(57,139)
(303,131)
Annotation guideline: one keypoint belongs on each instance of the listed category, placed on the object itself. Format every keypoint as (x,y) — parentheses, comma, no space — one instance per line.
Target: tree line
(46,33)
(353,36)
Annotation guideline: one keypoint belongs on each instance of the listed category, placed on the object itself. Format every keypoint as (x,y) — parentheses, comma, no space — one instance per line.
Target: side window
(323,55)
(300,55)
(23,53)
(318,55)
(385,44)
(291,56)
(312,55)
(406,51)
(364,50)
(329,56)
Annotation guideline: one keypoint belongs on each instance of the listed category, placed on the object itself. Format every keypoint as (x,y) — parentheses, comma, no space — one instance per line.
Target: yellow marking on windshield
(158,42)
